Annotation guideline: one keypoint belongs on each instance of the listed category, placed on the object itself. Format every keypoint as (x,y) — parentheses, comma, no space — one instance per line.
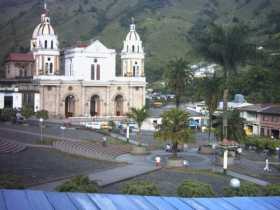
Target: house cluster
(262,120)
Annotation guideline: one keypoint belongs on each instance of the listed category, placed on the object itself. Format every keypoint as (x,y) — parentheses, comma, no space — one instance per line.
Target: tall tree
(139,115)
(211,94)
(174,128)
(228,46)
(235,126)
(178,76)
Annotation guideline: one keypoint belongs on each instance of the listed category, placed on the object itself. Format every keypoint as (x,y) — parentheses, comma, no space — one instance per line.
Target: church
(75,82)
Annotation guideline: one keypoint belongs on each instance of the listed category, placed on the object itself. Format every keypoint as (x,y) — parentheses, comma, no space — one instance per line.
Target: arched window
(46,44)
(92,72)
(127,48)
(137,48)
(134,71)
(133,48)
(46,68)
(51,68)
(52,44)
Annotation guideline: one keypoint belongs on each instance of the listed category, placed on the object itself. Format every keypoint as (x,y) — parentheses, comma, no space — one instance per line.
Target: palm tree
(235,126)
(138,115)
(178,76)
(228,46)
(174,128)
(211,95)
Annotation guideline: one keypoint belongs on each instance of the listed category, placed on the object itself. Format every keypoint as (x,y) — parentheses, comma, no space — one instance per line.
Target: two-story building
(262,120)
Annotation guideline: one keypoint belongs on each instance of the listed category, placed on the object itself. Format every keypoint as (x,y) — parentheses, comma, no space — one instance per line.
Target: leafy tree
(140,188)
(178,76)
(228,46)
(211,95)
(191,188)
(78,184)
(139,115)
(174,128)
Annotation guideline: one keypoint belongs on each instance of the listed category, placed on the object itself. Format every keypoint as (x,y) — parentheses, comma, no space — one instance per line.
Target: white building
(86,86)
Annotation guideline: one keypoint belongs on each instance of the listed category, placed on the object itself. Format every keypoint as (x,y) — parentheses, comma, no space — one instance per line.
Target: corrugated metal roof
(38,200)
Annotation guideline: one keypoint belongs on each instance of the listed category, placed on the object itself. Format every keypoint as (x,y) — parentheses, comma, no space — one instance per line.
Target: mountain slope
(162,24)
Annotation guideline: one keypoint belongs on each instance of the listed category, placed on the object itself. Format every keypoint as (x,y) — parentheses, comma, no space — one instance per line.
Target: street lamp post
(278,152)
(127,132)
(41,128)
(225,160)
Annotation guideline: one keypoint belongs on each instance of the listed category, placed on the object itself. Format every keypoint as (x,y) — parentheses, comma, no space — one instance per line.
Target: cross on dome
(132,25)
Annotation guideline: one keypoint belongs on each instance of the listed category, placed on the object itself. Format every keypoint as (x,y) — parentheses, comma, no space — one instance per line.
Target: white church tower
(45,47)
(132,55)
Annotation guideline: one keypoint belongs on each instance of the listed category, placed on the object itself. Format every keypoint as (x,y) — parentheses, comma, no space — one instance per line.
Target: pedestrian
(104,141)
(266,168)
(157,161)
(167,148)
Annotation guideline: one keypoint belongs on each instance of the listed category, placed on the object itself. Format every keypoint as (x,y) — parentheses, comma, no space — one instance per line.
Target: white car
(93,125)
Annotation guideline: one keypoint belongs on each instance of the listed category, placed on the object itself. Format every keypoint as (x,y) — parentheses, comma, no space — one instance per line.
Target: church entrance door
(95,106)
(69,106)
(119,105)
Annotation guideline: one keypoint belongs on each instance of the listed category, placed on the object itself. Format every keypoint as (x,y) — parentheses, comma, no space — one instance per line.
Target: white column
(225,164)
(17,100)
(1,100)
(36,102)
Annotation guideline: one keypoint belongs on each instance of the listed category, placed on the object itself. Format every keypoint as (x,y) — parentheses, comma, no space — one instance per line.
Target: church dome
(44,28)
(132,35)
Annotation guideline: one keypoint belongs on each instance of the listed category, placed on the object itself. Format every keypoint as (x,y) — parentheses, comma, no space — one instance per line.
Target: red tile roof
(82,45)
(26,57)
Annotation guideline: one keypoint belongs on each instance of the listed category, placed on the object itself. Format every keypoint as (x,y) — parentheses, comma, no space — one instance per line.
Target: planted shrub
(245,189)
(7,114)
(190,188)
(272,190)
(42,114)
(140,188)
(10,182)
(27,111)
(78,184)
(262,143)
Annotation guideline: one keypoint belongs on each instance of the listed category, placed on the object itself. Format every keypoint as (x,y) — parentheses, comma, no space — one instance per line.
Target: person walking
(104,141)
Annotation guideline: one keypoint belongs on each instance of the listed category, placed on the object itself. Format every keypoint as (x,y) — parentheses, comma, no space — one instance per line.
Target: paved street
(31,134)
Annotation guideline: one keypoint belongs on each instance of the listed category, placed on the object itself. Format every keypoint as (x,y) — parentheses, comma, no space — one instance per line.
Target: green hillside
(162,24)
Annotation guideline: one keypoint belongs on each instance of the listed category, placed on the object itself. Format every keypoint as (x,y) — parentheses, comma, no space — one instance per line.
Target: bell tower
(132,55)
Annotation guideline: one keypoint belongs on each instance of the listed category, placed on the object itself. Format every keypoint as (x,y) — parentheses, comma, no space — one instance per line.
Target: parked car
(93,125)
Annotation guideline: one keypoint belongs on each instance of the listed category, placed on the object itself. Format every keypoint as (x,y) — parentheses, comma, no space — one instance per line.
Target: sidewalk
(136,167)
(243,177)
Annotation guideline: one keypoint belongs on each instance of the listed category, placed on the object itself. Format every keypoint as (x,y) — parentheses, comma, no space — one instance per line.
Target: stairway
(93,150)
(7,146)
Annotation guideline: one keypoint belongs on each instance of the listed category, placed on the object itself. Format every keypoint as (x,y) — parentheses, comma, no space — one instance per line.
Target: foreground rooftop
(38,200)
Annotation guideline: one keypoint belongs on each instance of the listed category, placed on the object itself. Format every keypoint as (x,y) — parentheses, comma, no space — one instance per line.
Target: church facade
(75,82)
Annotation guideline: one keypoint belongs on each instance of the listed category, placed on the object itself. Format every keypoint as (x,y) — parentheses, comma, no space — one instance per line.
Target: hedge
(262,143)
(245,189)
(140,188)
(190,188)
(78,184)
